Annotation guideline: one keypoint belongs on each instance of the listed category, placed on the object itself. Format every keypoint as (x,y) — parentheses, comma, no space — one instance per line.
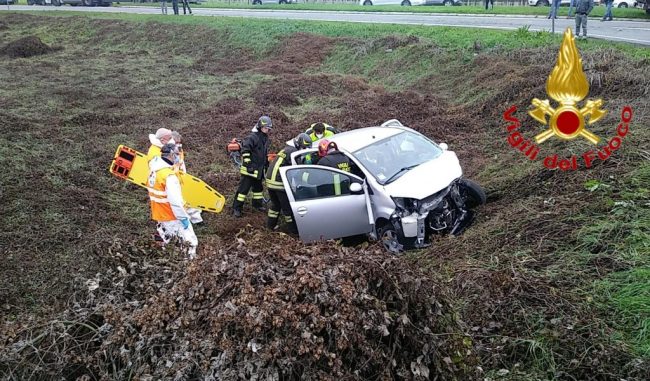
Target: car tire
(367,2)
(283,1)
(88,3)
(447,3)
(257,2)
(622,5)
(389,239)
(406,3)
(542,3)
(472,193)
(56,3)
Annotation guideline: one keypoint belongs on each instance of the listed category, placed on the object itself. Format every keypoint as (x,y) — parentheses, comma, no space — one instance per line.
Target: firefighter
(157,140)
(255,149)
(320,130)
(166,199)
(330,156)
(279,200)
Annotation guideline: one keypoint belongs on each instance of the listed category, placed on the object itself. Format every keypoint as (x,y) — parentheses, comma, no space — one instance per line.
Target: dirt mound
(296,53)
(260,307)
(394,42)
(26,47)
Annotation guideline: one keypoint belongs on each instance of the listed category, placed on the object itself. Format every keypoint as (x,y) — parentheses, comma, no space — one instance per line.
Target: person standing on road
(175,6)
(552,13)
(608,10)
(277,193)
(583,8)
(255,150)
(571,6)
(186,3)
(166,199)
(489,2)
(163,7)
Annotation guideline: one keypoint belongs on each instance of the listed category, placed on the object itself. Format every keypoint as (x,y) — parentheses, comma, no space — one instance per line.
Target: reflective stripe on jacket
(273,178)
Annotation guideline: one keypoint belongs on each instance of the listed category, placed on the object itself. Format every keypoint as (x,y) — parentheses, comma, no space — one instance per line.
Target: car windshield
(390,158)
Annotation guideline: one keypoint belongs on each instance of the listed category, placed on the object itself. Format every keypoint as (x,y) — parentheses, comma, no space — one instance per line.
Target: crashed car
(403,187)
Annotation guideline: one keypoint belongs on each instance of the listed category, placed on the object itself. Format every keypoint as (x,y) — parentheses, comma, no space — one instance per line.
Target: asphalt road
(637,32)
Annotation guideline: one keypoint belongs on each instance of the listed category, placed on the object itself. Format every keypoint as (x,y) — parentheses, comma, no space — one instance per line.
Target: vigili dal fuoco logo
(568,86)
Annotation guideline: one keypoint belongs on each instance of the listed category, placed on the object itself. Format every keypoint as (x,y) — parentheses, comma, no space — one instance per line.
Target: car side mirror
(444,146)
(355,188)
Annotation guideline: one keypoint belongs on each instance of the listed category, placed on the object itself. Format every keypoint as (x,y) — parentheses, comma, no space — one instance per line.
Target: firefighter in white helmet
(167,204)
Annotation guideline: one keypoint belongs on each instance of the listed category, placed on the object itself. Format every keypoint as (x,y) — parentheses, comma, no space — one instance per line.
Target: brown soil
(263,304)
(26,47)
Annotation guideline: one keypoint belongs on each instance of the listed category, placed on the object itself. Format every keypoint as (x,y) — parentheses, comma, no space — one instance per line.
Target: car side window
(312,183)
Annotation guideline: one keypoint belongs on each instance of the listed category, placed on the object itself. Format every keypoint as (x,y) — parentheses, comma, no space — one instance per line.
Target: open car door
(327,203)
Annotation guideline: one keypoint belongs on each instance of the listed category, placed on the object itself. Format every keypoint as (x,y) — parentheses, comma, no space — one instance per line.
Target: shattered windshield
(390,158)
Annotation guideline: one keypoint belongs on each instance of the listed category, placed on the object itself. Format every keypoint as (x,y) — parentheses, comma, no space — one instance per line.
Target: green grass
(261,36)
(150,74)
(478,9)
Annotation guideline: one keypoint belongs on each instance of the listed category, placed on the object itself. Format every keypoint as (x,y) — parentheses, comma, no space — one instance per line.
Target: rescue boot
(236,212)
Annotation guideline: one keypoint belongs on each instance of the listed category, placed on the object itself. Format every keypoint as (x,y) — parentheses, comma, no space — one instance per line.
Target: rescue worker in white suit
(167,204)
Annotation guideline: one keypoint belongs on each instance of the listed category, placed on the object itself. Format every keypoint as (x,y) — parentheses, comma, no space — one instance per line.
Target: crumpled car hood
(427,178)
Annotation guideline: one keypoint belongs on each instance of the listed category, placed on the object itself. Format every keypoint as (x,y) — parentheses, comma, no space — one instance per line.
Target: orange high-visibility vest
(161,209)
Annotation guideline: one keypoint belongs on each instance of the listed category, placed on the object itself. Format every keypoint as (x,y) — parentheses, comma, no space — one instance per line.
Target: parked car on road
(259,2)
(411,2)
(402,188)
(623,3)
(547,3)
(88,3)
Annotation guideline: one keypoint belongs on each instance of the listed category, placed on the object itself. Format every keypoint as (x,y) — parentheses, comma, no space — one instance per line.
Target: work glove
(185,222)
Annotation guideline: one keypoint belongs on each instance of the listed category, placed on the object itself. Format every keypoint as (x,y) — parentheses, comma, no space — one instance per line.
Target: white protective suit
(171,229)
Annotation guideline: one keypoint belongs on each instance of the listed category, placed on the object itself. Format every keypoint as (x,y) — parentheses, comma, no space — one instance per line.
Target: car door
(327,203)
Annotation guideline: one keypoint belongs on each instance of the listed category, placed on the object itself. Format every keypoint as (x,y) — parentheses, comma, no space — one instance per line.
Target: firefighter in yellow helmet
(166,199)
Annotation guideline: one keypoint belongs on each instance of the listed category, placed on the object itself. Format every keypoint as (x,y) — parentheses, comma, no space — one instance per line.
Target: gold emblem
(568,85)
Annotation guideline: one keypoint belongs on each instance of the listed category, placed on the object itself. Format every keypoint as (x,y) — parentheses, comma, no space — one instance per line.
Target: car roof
(354,140)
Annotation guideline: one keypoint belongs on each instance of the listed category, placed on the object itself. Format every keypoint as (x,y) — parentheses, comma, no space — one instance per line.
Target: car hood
(427,178)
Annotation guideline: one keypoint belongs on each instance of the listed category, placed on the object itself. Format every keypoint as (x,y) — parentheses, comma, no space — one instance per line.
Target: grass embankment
(599,11)
(550,279)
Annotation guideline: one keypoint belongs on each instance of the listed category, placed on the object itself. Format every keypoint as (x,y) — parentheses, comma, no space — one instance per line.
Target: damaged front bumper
(442,211)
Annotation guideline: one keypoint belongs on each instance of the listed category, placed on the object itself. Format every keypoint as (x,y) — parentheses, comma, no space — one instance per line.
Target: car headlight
(405,206)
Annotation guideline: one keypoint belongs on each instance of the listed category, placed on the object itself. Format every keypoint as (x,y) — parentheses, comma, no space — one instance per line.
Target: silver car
(402,188)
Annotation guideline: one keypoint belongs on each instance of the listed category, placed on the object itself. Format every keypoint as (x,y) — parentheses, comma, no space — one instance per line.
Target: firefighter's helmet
(302,141)
(264,121)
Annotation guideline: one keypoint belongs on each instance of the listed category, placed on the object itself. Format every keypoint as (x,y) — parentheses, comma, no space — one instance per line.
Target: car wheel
(472,193)
(88,3)
(447,3)
(30,2)
(367,2)
(56,3)
(257,2)
(390,240)
(406,3)
(622,5)
(283,1)
(542,3)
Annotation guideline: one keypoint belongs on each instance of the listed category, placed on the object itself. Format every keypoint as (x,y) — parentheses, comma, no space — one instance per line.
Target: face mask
(319,136)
